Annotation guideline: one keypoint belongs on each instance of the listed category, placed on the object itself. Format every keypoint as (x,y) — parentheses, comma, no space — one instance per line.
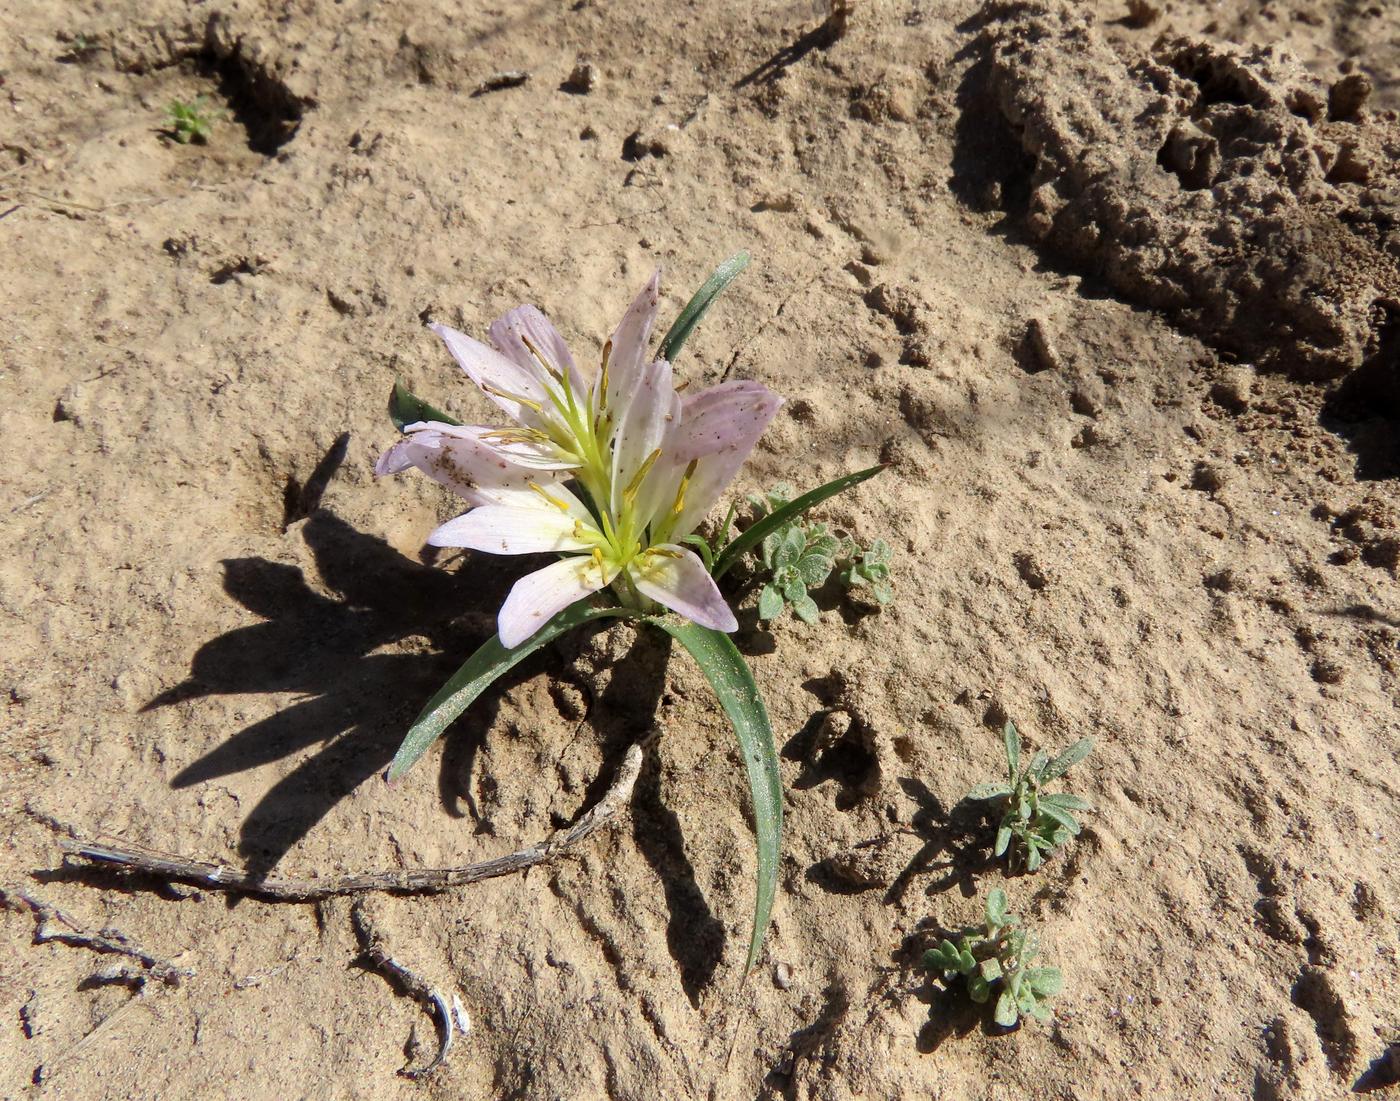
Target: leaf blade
(699,304)
(407,408)
(487,664)
(779,518)
(732,680)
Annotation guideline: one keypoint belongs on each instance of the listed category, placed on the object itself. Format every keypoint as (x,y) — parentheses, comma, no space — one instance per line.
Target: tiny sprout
(190,121)
(1040,823)
(996,959)
(870,566)
(800,557)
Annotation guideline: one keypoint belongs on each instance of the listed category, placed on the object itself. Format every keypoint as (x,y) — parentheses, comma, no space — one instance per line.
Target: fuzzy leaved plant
(996,960)
(1038,822)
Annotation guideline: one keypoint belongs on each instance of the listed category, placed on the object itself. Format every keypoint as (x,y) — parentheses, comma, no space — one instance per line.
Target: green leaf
(1065,801)
(729,675)
(990,969)
(806,609)
(770,602)
(406,409)
(1046,982)
(1063,817)
(704,549)
(793,589)
(942,958)
(996,907)
(1003,840)
(477,673)
(1068,759)
(750,538)
(989,791)
(978,989)
(1012,741)
(1038,763)
(884,592)
(699,303)
(789,549)
(1007,1013)
(814,569)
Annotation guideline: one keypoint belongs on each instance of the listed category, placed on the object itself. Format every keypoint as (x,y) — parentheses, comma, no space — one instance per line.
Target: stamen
(562,506)
(679,506)
(636,483)
(497,392)
(597,557)
(549,367)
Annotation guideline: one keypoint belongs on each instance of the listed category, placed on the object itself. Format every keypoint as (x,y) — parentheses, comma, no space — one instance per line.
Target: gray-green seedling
(190,121)
(868,566)
(996,959)
(1039,823)
(800,557)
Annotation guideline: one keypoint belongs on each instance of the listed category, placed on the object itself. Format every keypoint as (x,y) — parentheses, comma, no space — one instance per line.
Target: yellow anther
(561,505)
(497,392)
(679,506)
(597,557)
(635,484)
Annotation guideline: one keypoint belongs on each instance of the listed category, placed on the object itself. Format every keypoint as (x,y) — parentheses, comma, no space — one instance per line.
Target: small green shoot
(868,566)
(190,121)
(799,557)
(996,960)
(1039,823)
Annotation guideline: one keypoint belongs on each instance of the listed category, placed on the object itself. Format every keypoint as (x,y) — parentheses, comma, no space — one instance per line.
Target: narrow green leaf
(988,791)
(477,673)
(699,303)
(1068,759)
(729,675)
(406,409)
(783,516)
(1003,840)
(1065,801)
(703,547)
(1060,815)
(1013,748)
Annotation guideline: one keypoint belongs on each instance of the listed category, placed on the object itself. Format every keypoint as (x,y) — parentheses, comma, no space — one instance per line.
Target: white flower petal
(718,429)
(453,456)
(538,597)
(643,429)
(679,580)
(496,375)
(513,529)
(528,322)
(629,347)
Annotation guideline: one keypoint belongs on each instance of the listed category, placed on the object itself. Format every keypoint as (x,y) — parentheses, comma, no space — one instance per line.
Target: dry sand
(1142,487)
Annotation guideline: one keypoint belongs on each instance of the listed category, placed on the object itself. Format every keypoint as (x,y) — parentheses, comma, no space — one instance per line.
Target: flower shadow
(356,699)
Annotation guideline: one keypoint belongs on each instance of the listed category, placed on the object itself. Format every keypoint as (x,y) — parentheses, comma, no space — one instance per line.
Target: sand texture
(1114,291)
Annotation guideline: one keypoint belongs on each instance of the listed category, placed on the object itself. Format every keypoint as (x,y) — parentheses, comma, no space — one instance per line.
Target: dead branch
(448,1021)
(135,859)
(47,916)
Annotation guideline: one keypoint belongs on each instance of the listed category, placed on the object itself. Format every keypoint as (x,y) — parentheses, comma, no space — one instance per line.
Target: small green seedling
(190,121)
(996,959)
(870,566)
(800,557)
(1040,823)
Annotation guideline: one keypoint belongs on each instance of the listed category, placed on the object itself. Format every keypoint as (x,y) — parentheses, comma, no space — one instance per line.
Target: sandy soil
(1161,523)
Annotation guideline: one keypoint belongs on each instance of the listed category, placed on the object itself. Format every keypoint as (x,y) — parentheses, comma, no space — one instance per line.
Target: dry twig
(47,916)
(132,858)
(448,1021)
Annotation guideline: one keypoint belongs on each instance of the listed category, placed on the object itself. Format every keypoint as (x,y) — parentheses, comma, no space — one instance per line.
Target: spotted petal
(643,428)
(629,347)
(515,529)
(538,597)
(678,579)
(502,380)
(465,460)
(515,332)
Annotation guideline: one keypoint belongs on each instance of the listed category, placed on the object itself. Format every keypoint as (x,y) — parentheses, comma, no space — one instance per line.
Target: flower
(611,468)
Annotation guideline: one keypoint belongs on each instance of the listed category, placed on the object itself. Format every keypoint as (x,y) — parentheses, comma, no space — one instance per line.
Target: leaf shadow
(356,695)
(957,845)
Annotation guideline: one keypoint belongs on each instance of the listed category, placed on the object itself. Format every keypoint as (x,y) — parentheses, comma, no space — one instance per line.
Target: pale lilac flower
(649,466)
